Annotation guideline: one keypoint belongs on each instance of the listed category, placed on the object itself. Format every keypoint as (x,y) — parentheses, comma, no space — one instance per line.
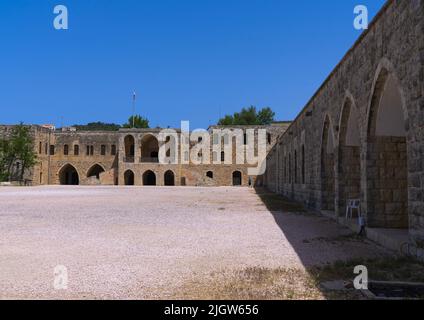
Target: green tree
(249,116)
(18,148)
(137,122)
(4,154)
(98,126)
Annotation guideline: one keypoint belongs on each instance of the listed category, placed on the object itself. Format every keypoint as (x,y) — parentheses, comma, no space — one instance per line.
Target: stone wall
(390,183)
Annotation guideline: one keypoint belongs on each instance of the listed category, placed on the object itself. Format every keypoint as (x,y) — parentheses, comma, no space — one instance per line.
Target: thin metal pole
(133,106)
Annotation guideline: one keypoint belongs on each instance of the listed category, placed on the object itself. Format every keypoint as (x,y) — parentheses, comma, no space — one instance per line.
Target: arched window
(209,174)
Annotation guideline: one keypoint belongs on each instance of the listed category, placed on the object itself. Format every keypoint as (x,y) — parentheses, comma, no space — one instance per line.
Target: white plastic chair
(353,204)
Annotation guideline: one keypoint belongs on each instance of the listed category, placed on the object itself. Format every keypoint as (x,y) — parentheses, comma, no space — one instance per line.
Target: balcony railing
(149,160)
(129,159)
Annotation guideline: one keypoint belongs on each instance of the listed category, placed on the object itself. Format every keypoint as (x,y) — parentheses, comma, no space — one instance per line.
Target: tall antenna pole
(133,109)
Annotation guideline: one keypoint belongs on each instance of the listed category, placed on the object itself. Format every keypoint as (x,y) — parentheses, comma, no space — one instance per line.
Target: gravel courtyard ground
(156,243)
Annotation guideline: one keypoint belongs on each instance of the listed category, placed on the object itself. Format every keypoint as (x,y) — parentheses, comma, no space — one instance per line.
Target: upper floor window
(269,138)
(52,150)
(76,150)
(113,150)
(65,149)
(103,150)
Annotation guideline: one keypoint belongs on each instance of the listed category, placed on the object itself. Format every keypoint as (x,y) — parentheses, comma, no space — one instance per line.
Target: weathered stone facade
(361,136)
(131,157)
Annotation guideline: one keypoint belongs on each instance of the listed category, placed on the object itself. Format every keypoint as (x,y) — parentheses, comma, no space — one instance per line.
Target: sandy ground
(136,243)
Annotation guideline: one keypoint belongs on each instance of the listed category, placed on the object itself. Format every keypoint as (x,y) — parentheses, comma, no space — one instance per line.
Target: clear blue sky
(187,59)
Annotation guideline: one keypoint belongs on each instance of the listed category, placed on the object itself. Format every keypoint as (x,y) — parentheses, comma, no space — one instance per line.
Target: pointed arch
(169,178)
(386,154)
(349,157)
(129,145)
(68,175)
(129,178)
(95,171)
(327,166)
(149,178)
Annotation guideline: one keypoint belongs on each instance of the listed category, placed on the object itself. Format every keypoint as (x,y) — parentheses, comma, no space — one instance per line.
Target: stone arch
(129,145)
(95,171)
(327,166)
(129,178)
(169,178)
(68,175)
(349,155)
(237,178)
(149,149)
(386,154)
(149,178)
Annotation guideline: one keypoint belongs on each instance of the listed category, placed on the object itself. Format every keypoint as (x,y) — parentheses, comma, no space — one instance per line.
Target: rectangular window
(65,149)
(113,150)
(303,165)
(91,150)
(295,167)
(103,150)
(76,150)
(40,148)
(52,150)
(87,152)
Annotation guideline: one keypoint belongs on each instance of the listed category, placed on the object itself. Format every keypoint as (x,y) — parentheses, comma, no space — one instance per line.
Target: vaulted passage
(95,171)
(129,148)
(129,178)
(327,168)
(387,172)
(169,178)
(237,181)
(149,149)
(68,175)
(349,165)
(149,178)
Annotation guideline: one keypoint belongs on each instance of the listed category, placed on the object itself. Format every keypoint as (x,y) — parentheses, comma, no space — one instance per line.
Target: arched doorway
(149,178)
(68,175)
(149,149)
(129,143)
(387,157)
(169,178)
(349,157)
(327,167)
(237,178)
(95,171)
(129,178)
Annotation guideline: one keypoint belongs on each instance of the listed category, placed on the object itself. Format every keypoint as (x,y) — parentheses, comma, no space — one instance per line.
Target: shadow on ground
(333,275)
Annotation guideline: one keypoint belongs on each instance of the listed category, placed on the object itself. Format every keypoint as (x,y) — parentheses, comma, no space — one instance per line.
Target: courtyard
(165,243)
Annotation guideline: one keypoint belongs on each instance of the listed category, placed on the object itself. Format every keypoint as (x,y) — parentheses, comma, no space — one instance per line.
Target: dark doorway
(129,178)
(69,176)
(237,178)
(169,178)
(149,178)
